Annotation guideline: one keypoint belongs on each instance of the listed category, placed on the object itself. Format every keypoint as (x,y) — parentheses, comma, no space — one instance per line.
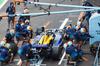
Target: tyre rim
(94,50)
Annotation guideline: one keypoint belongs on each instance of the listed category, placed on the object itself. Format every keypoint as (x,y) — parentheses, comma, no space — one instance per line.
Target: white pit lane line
(19,62)
(62,58)
(64,23)
(63,20)
(61,27)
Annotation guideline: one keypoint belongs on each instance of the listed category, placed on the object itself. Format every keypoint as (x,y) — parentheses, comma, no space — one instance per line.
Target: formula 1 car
(49,43)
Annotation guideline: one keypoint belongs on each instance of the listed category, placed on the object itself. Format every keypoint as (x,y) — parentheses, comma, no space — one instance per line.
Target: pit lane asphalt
(42,20)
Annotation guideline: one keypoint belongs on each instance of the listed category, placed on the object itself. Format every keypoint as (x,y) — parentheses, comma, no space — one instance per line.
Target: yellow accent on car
(48,41)
(41,40)
(90,45)
(45,39)
(94,46)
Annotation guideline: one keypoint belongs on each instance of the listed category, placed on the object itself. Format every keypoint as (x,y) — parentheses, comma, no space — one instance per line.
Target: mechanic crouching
(73,54)
(2,45)
(9,37)
(6,54)
(24,52)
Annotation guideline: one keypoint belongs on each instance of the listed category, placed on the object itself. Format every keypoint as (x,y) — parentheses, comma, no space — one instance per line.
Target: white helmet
(68,27)
(32,42)
(27,21)
(26,11)
(68,44)
(83,30)
(79,23)
(65,46)
(84,0)
(29,28)
(22,24)
(7,46)
(2,43)
(12,31)
(77,27)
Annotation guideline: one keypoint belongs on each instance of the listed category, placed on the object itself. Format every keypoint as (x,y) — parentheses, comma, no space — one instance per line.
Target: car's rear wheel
(13,48)
(56,53)
(94,47)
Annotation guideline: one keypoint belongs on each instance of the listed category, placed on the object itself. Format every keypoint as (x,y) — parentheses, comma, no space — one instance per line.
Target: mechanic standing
(27,34)
(26,11)
(80,36)
(24,52)
(10,10)
(24,5)
(69,33)
(86,3)
(87,15)
(18,33)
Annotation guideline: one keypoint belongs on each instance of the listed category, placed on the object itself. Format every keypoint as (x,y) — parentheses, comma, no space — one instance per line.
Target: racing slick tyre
(13,48)
(56,53)
(94,47)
